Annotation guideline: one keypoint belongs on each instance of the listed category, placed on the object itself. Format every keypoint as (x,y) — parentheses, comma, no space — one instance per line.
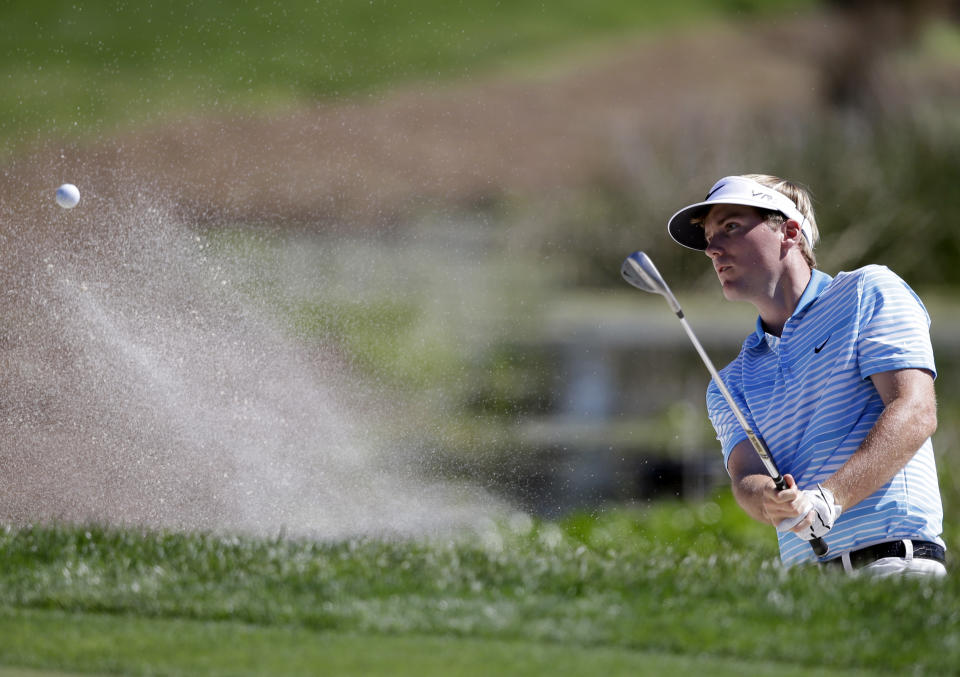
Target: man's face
(745,252)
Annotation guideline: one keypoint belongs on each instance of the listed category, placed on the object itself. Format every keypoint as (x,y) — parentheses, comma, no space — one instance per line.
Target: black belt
(864,556)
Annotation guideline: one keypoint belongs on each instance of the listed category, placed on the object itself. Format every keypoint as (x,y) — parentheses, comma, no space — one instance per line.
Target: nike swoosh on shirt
(818,348)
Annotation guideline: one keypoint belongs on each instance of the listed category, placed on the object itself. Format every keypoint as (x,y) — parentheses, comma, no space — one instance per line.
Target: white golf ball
(68,196)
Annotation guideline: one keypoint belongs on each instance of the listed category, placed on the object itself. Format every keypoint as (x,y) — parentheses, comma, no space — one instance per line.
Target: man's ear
(791,232)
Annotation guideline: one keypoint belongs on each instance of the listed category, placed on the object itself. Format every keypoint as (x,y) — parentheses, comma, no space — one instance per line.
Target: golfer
(837,377)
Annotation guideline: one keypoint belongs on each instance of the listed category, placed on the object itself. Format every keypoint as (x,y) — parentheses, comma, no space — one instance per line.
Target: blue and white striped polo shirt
(809,396)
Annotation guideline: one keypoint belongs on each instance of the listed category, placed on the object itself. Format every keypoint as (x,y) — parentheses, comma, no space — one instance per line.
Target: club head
(639,271)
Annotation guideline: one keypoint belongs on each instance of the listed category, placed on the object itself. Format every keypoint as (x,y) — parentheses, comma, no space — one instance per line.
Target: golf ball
(68,196)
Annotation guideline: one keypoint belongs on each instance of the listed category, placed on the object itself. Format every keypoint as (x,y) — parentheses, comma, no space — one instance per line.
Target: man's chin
(730,291)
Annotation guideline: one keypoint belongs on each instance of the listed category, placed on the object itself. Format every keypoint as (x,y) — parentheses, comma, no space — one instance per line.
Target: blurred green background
(86,68)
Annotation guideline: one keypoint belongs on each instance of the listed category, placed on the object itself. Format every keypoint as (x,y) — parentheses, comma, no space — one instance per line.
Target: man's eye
(731,225)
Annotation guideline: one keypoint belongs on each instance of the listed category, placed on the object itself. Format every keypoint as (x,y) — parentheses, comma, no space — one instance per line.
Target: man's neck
(777,308)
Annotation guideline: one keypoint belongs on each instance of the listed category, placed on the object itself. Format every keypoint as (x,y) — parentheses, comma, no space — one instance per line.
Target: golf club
(639,271)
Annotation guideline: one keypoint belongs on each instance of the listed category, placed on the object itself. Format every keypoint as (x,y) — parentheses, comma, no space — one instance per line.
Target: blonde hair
(801,198)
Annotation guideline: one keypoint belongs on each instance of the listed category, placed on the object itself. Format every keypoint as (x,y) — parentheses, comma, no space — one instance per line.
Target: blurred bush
(884,189)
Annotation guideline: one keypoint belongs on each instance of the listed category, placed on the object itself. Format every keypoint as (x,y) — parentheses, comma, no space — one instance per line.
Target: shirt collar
(818,282)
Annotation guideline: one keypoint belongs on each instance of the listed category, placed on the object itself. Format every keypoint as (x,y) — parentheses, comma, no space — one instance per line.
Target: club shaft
(757,443)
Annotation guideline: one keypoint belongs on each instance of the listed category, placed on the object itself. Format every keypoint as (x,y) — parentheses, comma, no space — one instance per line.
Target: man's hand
(819,516)
(790,509)
(824,511)
(785,508)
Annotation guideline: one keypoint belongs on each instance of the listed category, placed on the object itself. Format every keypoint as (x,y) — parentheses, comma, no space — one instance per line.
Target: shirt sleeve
(729,431)
(894,325)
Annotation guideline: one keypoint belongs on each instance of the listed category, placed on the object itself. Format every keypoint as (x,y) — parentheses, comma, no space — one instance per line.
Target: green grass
(176,646)
(619,588)
(75,69)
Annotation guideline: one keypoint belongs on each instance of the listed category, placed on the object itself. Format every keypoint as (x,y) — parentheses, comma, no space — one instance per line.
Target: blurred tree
(871,30)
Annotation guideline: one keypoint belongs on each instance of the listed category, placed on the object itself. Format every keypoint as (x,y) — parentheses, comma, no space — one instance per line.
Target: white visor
(735,190)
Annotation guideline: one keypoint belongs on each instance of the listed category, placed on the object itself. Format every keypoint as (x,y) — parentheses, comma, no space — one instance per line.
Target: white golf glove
(826,512)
